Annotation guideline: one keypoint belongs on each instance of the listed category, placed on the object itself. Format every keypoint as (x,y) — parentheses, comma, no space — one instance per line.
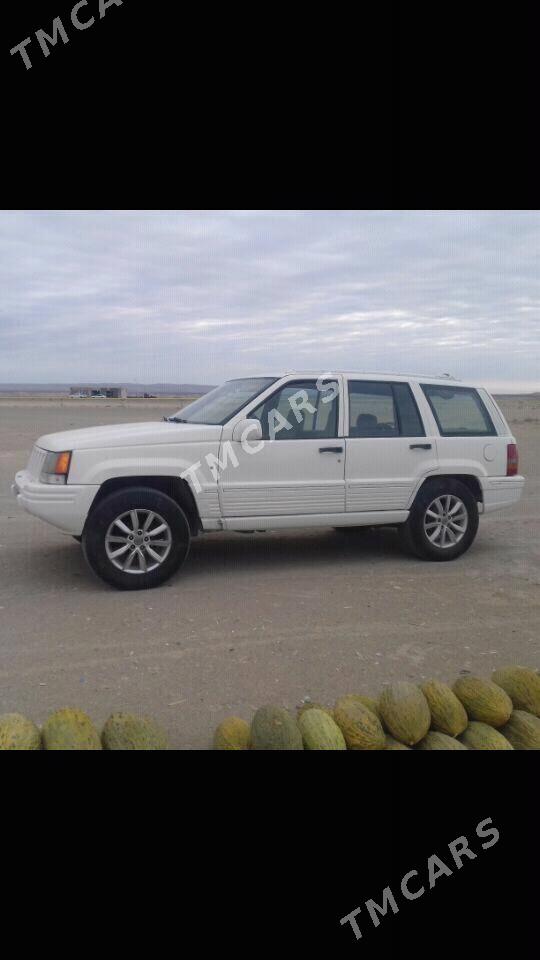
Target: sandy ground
(251,620)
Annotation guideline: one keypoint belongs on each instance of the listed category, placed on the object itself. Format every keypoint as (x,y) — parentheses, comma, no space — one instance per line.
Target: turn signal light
(62,463)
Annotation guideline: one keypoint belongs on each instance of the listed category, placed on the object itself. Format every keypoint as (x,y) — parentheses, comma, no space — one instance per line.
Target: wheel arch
(469,480)
(176,488)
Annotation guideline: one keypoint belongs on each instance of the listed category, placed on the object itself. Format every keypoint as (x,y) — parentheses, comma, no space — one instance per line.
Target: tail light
(512,460)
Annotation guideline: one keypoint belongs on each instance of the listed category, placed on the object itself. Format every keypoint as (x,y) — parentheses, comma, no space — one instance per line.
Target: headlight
(55,467)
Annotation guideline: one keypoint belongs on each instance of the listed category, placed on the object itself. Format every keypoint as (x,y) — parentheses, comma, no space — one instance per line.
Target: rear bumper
(500,492)
(66,507)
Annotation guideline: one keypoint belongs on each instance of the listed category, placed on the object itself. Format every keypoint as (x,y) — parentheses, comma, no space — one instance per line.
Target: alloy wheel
(138,541)
(445,521)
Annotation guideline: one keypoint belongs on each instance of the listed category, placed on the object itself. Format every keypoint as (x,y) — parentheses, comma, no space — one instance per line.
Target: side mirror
(247,430)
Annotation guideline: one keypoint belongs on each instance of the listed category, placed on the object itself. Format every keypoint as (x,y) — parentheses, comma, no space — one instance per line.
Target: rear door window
(383,410)
(459,411)
(410,422)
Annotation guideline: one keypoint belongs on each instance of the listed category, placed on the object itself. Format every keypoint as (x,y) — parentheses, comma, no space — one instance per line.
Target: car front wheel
(136,538)
(443,521)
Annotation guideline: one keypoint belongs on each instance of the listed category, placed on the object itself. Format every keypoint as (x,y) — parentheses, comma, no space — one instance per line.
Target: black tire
(114,506)
(413,533)
(78,539)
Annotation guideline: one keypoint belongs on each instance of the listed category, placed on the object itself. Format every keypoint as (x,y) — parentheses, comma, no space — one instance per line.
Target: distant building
(111,393)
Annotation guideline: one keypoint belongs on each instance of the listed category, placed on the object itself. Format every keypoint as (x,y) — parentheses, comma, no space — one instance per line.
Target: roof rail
(384,373)
(419,376)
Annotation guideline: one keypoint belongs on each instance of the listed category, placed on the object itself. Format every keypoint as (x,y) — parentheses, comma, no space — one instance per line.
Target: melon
(18,733)
(391,744)
(448,715)
(124,731)
(359,725)
(320,732)
(483,700)
(232,734)
(273,728)
(522,731)
(313,706)
(405,712)
(70,729)
(480,736)
(368,702)
(522,686)
(434,740)
(371,704)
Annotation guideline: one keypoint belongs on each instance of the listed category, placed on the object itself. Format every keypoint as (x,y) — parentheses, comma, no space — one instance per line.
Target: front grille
(35,462)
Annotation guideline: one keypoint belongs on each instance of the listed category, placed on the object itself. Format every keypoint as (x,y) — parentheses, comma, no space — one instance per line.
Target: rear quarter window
(459,411)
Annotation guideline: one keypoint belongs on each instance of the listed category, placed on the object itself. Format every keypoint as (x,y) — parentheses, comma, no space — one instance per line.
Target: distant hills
(158,389)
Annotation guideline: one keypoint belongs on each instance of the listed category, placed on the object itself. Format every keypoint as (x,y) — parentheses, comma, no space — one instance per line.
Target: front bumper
(500,492)
(66,506)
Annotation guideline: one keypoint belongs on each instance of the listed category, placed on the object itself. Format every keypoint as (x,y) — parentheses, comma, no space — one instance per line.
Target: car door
(388,450)
(298,468)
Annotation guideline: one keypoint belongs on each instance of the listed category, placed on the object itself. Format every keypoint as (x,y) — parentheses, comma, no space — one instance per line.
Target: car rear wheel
(443,521)
(136,538)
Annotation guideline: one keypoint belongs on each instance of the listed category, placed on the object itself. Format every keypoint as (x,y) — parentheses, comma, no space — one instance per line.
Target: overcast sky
(204,296)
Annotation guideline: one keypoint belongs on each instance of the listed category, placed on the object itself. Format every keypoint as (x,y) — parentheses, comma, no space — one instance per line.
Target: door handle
(419,446)
(330,449)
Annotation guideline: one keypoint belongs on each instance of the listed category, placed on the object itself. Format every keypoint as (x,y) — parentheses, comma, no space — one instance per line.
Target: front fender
(95,467)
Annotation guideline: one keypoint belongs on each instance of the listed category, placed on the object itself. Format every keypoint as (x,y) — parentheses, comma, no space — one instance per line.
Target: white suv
(425,454)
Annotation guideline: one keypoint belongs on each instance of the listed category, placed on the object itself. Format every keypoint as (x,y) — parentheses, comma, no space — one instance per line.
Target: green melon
(18,733)
(124,731)
(522,731)
(405,712)
(434,740)
(368,702)
(232,734)
(273,728)
(483,700)
(448,715)
(359,725)
(320,732)
(480,736)
(392,744)
(522,686)
(70,729)
(313,706)
(371,704)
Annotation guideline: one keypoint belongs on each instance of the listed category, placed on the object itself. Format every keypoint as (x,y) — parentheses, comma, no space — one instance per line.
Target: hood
(129,435)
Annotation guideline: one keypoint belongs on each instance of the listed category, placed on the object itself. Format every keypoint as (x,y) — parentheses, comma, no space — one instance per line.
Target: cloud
(202,296)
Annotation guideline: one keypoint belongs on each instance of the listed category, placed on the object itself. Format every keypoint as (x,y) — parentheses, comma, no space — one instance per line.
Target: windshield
(223,402)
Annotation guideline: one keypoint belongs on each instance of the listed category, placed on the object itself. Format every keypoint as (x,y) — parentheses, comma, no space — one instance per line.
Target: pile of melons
(71,729)
(474,714)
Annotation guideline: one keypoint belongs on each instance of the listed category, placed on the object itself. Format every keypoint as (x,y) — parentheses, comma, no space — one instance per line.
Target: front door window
(300,411)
